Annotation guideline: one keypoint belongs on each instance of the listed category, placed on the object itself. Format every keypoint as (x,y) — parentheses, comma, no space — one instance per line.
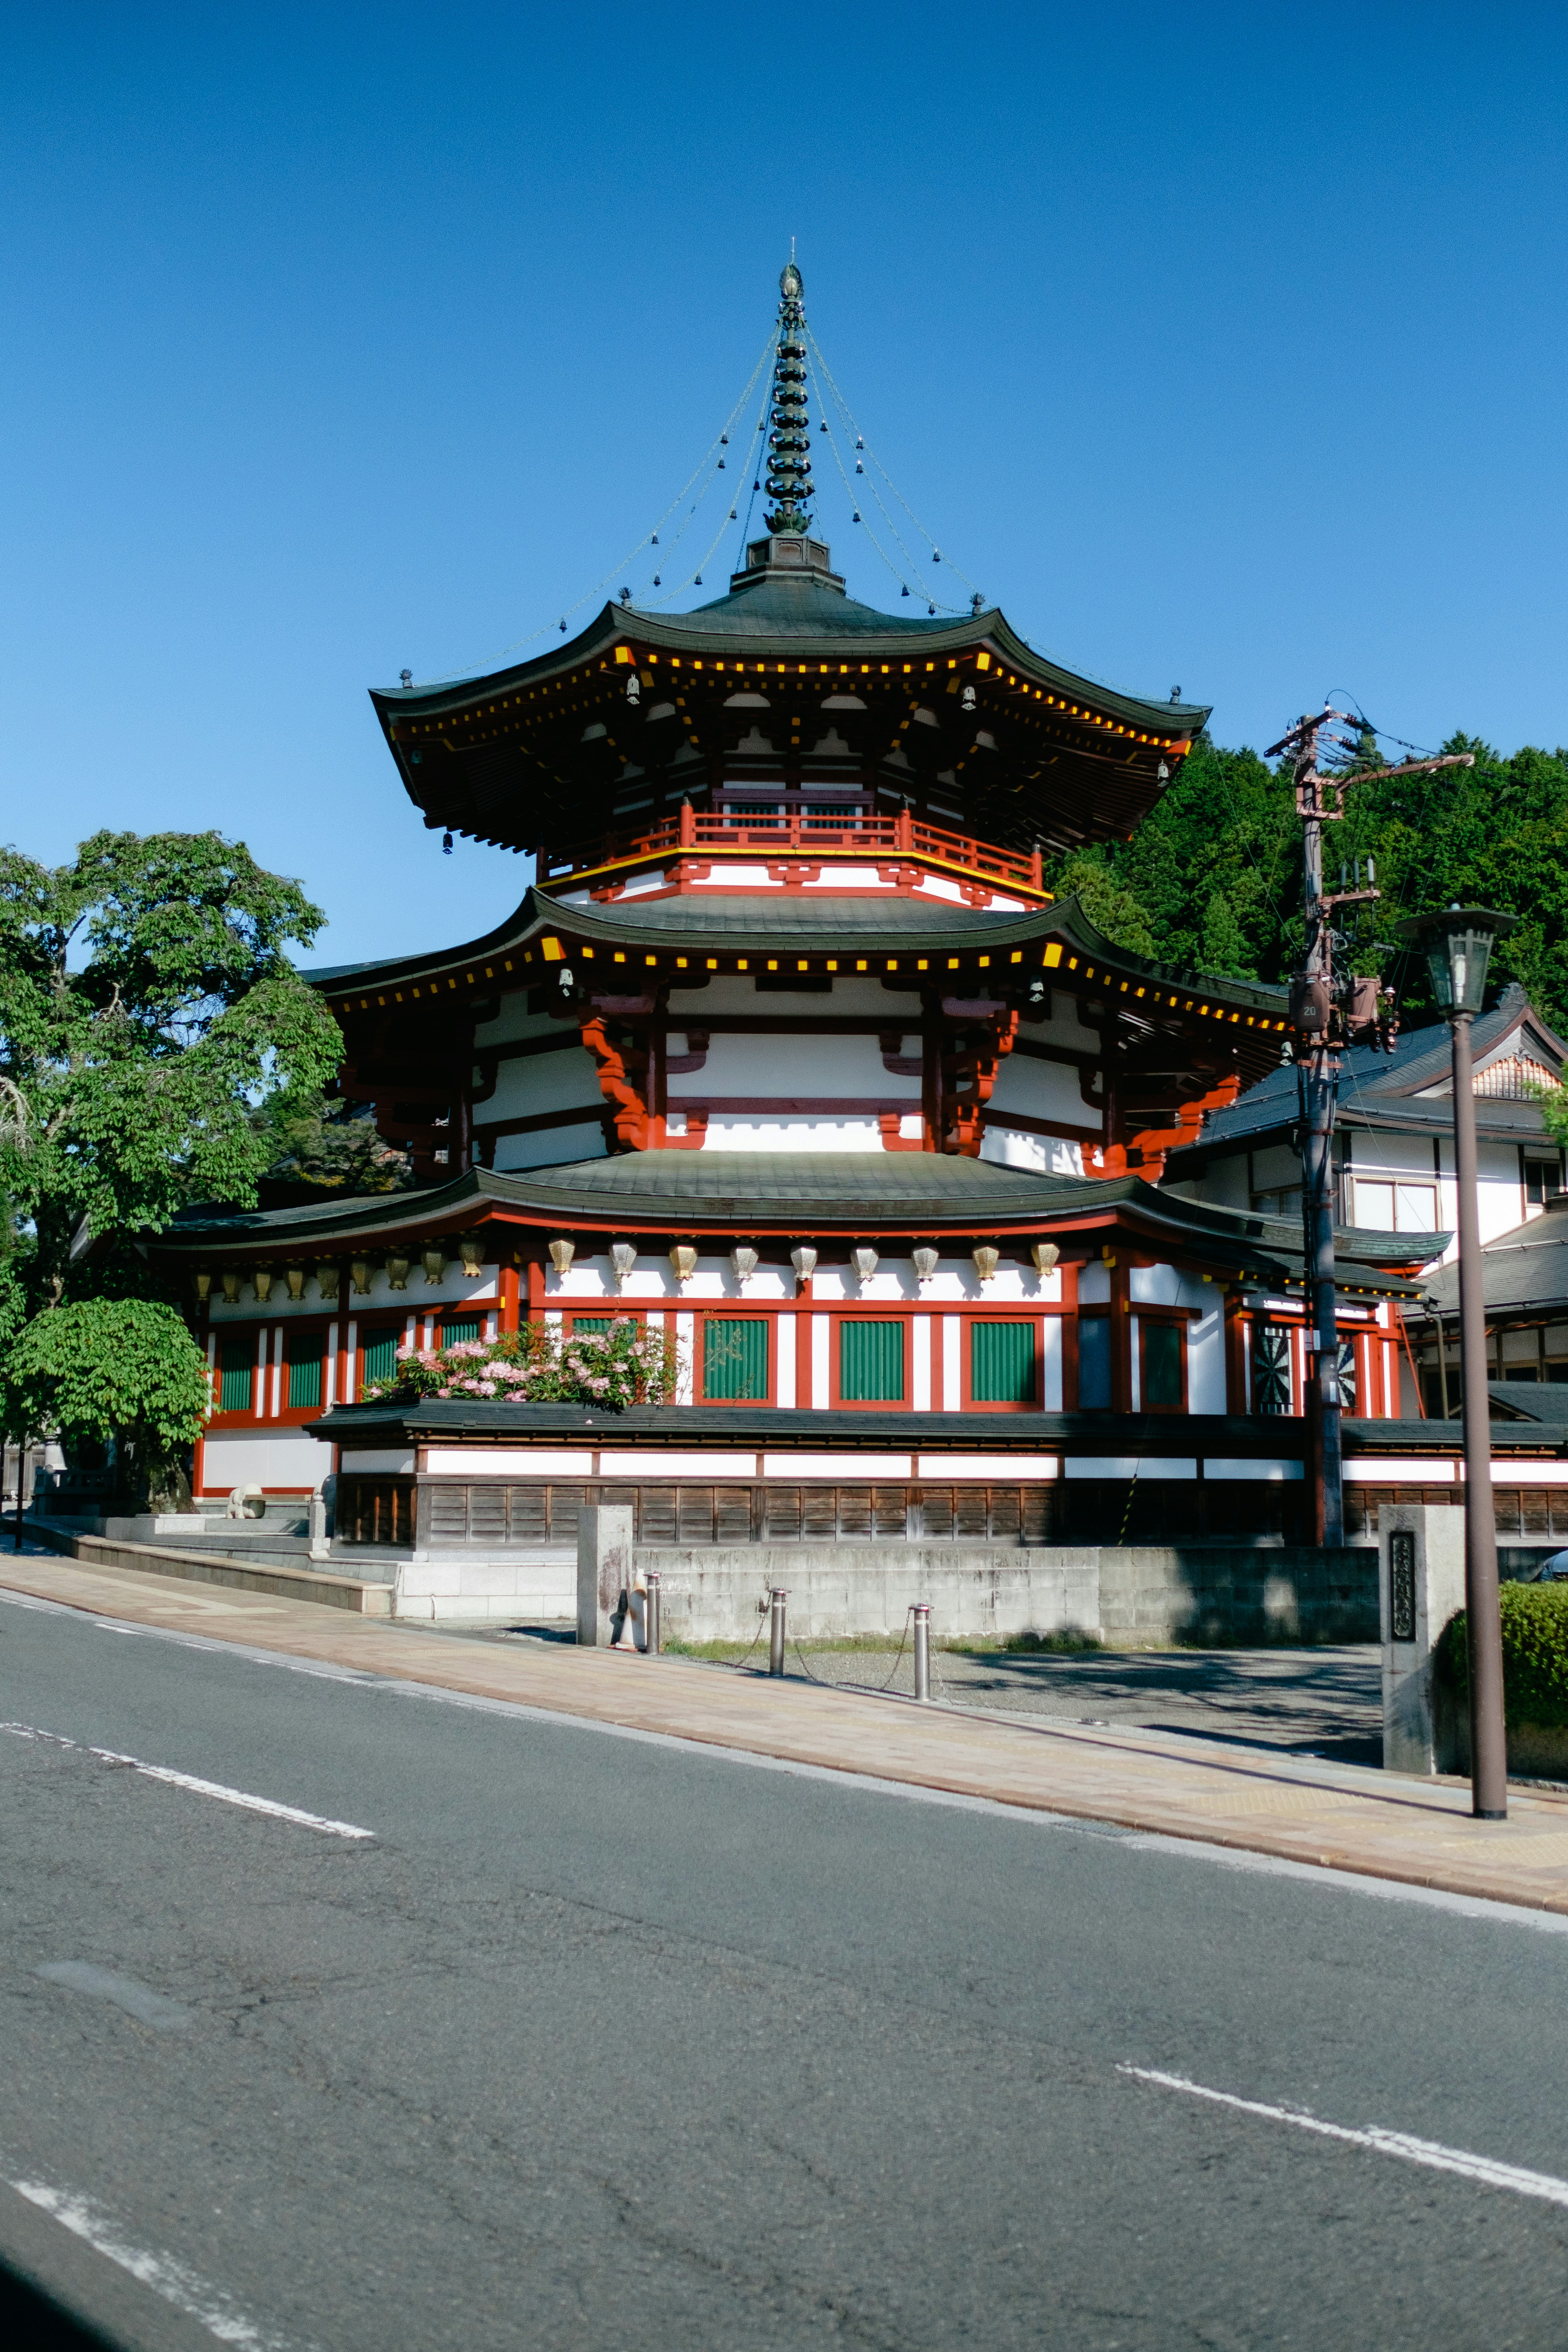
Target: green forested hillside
(1212,880)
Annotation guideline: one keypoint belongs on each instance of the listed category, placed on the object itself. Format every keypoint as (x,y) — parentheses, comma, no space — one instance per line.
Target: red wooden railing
(792,833)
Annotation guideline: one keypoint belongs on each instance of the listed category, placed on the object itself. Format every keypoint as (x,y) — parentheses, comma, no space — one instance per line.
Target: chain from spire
(789,483)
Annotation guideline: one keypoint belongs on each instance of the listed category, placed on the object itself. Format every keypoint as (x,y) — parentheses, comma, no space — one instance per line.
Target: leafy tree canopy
(1212,878)
(125,1369)
(147,1007)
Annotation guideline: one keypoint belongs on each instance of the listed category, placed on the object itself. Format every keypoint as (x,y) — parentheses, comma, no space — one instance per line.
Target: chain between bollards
(777,1629)
(922,1650)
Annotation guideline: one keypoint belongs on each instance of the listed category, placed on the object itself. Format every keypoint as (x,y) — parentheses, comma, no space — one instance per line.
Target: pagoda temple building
(789,1054)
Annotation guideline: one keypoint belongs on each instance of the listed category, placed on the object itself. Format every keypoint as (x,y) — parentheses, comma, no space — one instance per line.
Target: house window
(598,1324)
(378,1358)
(870,1362)
(303,1351)
(456,1328)
(1542,1180)
(1094,1363)
(735,1359)
(1001,1364)
(237,1371)
(1390,1207)
(1164,1350)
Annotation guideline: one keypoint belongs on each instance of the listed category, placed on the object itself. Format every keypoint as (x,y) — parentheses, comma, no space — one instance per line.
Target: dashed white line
(184,2288)
(1486,2169)
(225,1796)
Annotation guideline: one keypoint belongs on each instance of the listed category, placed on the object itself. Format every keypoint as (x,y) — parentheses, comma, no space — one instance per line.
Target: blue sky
(1220,346)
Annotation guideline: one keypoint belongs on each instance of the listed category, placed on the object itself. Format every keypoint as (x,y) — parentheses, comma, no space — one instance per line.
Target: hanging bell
(446,844)
(731,514)
(755,487)
(823,426)
(653,540)
(855,516)
(721,465)
(656,581)
(564,628)
(859,442)
(723,440)
(906,590)
(859,468)
(696,580)
(930,608)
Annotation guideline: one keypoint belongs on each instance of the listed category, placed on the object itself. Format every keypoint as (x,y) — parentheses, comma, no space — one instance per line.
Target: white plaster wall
(566,1079)
(821,1348)
(1167,1285)
(267,1459)
(1041,1155)
(552,1147)
(920,1364)
(761,1134)
(784,1341)
(1205,1363)
(1094,1285)
(1041,1090)
(799,1067)
(1052,1349)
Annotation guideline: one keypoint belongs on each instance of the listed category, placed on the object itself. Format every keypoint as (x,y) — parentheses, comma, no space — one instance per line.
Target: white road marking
(225,1796)
(1486,2169)
(103,1984)
(1234,1858)
(189,2293)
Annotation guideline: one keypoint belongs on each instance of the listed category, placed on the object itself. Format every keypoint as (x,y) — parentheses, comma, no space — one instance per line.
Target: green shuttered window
(458,1327)
(870,1362)
(304,1353)
(1161,1368)
(734,1358)
(1001,1364)
(237,1371)
(590,1323)
(380,1356)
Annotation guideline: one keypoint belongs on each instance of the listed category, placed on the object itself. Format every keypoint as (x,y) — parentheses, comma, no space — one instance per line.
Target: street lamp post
(1459,945)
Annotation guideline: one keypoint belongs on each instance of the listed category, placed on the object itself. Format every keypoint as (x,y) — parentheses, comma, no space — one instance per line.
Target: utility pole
(1329,1008)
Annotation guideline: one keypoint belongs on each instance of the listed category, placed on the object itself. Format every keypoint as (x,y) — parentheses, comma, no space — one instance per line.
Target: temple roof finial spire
(789,443)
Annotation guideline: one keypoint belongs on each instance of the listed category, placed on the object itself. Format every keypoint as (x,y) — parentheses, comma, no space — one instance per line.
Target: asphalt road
(600,2041)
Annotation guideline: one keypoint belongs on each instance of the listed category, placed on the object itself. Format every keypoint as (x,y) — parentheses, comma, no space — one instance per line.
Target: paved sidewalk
(1340,1817)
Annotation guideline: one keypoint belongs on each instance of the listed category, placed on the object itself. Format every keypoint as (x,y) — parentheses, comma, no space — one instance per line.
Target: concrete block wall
(711,1593)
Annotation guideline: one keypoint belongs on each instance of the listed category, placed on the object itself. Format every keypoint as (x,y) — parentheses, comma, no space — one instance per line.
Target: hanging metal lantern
(986,1260)
(864,1261)
(329,1281)
(204,1283)
(560,1256)
(925,1260)
(295,1279)
(231,1282)
(360,1274)
(434,1261)
(743,1258)
(623,1257)
(472,1250)
(1045,1254)
(262,1278)
(683,1258)
(804,1260)
(397,1273)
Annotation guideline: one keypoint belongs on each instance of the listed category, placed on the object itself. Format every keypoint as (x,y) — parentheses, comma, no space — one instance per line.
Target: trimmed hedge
(1534,1653)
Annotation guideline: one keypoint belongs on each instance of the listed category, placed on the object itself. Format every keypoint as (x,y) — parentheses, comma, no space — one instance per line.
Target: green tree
(1223,950)
(1109,904)
(147,1007)
(124,1369)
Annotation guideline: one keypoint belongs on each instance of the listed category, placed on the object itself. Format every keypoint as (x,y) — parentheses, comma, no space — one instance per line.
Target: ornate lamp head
(1458,941)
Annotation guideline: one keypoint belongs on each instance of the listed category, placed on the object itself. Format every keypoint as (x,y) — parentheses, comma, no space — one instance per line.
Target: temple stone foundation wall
(1125,1595)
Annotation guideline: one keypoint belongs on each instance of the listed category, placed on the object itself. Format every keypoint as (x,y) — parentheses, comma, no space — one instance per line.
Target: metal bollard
(922,1649)
(650,1619)
(777,1629)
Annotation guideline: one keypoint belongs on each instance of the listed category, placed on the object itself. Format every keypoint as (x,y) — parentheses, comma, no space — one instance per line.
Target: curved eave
(511,955)
(497,759)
